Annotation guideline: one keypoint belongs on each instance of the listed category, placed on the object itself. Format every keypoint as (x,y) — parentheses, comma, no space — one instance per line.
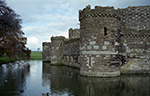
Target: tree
(38,49)
(11,35)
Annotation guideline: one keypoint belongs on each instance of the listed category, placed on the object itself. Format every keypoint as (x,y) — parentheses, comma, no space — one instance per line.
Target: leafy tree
(12,42)
(38,49)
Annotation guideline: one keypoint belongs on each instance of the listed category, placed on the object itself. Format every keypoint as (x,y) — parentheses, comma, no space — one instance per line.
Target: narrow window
(61,44)
(105,31)
(90,61)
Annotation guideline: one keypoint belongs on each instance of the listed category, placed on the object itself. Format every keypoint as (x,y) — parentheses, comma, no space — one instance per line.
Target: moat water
(35,78)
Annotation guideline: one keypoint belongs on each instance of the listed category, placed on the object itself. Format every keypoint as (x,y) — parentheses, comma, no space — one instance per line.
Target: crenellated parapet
(46,44)
(136,36)
(74,33)
(135,17)
(57,38)
(97,12)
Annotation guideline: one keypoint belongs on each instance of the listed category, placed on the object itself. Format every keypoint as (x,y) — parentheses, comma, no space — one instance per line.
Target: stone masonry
(109,42)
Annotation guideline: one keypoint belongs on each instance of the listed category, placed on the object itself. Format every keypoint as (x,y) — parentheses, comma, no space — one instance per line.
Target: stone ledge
(66,64)
(133,71)
(100,74)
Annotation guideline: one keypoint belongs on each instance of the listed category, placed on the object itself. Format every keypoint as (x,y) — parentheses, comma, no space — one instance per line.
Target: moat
(38,78)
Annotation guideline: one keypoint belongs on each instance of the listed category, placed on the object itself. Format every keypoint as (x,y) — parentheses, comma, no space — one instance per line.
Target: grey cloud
(80,4)
(122,3)
(32,8)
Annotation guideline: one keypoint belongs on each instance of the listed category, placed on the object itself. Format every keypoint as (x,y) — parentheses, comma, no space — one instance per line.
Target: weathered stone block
(106,43)
(92,42)
(116,43)
(89,47)
(104,47)
(95,47)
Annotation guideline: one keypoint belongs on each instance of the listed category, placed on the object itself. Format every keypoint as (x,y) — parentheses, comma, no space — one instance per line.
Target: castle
(109,42)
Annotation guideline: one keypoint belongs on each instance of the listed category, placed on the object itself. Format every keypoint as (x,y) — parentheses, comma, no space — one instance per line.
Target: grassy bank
(36,55)
(5,59)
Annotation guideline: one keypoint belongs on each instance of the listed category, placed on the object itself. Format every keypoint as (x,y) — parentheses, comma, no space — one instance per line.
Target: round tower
(98,34)
(57,49)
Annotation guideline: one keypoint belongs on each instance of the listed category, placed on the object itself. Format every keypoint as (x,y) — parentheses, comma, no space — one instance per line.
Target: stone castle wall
(135,22)
(46,51)
(63,51)
(137,52)
(107,40)
(57,49)
(74,33)
(72,48)
(137,18)
(71,52)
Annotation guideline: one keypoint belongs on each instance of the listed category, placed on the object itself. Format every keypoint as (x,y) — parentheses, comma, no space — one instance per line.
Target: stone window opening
(61,44)
(105,31)
(90,61)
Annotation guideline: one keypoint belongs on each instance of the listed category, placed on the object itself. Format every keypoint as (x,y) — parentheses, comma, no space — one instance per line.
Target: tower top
(57,38)
(98,11)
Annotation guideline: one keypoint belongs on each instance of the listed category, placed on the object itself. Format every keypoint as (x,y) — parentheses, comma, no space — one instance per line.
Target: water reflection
(65,80)
(39,78)
(23,79)
(13,78)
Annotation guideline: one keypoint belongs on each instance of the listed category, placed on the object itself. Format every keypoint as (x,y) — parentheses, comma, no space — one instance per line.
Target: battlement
(135,7)
(136,36)
(97,12)
(74,33)
(57,38)
(136,17)
(46,43)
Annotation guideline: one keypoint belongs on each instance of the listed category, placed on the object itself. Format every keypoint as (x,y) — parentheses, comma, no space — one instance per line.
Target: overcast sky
(45,18)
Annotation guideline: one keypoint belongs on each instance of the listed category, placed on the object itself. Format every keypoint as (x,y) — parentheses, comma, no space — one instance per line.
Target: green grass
(36,55)
(5,59)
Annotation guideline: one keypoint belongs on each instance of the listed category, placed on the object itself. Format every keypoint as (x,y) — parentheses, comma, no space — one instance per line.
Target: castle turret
(57,49)
(74,33)
(46,51)
(99,45)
